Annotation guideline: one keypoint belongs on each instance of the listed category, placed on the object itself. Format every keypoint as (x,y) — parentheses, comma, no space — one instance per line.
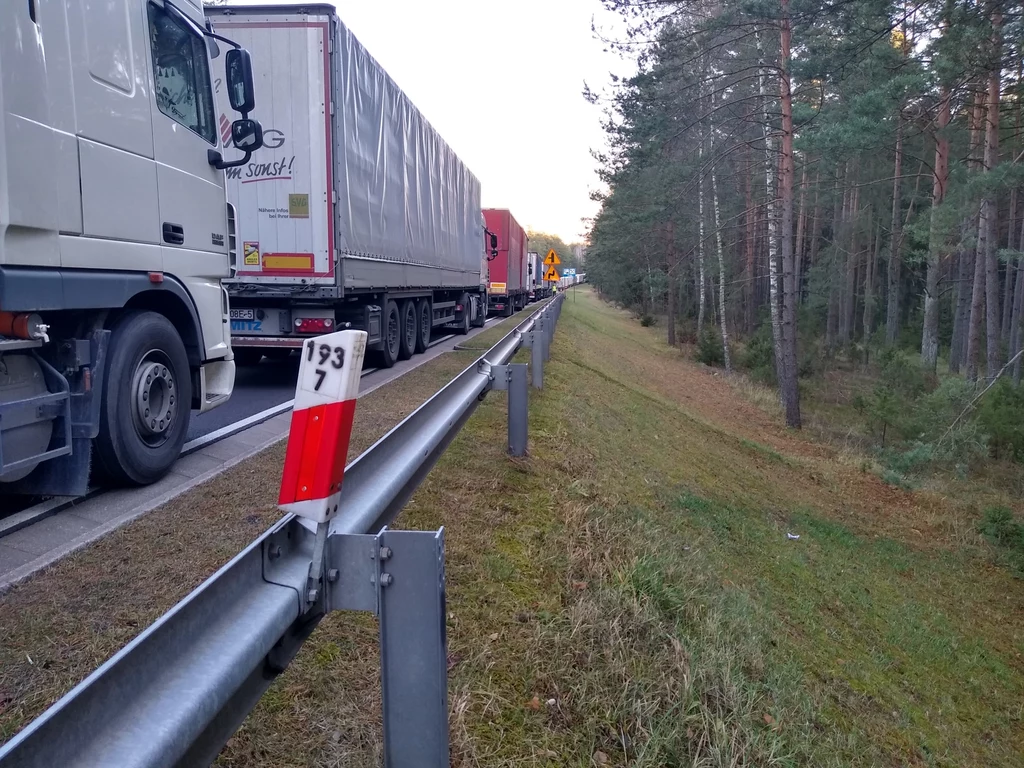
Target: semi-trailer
(508,275)
(356,213)
(539,288)
(115,234)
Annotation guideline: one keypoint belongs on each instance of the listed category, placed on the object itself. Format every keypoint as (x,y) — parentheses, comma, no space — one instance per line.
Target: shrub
(646,320)
(999,527)
(1007,534)
(709,347)
(1001,417)
(758,356)
(890,408)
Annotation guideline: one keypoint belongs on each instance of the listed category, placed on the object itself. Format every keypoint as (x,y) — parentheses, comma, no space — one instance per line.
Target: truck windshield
(181,74)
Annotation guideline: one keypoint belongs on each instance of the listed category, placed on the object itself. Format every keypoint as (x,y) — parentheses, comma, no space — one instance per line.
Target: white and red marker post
(325,406)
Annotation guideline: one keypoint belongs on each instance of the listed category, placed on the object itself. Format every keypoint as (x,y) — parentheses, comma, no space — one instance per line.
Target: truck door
(193,216)
(113,122)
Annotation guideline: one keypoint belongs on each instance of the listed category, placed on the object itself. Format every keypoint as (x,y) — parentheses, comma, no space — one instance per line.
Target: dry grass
(627,595)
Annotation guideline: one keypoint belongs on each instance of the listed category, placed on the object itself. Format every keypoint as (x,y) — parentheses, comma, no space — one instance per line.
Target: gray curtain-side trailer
(356,213)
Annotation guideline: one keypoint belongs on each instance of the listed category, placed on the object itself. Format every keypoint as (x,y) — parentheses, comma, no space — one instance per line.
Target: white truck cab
(115,234)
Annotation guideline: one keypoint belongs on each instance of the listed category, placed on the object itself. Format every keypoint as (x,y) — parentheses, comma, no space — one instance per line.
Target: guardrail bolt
(385,579)
(332,575)
(312,595)
(385,553)
(274,552)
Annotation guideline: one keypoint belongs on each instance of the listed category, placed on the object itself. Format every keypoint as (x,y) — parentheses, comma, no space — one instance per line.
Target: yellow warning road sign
(551,259)
(551,275)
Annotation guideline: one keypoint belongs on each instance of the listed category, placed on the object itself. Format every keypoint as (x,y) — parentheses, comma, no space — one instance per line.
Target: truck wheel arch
(178,309)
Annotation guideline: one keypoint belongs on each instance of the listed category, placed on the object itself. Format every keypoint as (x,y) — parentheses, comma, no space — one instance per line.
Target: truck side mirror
(247,135)
(241,93)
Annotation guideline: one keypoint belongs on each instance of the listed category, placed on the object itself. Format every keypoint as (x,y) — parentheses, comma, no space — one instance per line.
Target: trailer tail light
(459,307)
(314,324)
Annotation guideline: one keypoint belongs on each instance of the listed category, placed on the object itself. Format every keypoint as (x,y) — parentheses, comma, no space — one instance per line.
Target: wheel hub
(154,399)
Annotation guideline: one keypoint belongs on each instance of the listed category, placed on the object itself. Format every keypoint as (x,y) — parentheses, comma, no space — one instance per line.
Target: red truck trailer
(507,281)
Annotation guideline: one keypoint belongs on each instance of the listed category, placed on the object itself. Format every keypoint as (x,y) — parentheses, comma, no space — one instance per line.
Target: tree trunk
(773,269)
(988,228)
(816,221)
(961,318)
(848,299)
(838,219)
(892,307)
(718,244)
(801,227)
(721,269)
(1007,305)
(869,293)
(750,288)
(701,292)
(977,278)
(670,272)
(789,384)
(1017,331)
(977,305)
(936,246)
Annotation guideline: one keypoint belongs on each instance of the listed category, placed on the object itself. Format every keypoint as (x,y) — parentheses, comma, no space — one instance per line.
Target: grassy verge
(628,594)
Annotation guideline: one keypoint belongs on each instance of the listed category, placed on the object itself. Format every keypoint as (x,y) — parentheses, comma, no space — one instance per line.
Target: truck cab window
(181,74)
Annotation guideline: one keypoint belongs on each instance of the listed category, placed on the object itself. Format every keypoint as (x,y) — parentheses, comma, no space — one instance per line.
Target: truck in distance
(539,287)
(115,234)
(356,213)
(508,279)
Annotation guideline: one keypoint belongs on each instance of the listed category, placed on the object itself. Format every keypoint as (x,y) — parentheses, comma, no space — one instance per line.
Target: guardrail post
(537,359)
(413,648)
(549,335)
(513,378)
(518,409)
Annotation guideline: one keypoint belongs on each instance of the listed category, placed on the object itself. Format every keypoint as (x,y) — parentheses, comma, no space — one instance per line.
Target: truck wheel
(247,356)
(463,327)
(510,308)
(481,311)
(145,410)
(407,337)
(389,352)
(425,325)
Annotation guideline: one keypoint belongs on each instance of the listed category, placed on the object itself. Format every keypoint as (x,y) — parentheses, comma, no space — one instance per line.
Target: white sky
(502,82)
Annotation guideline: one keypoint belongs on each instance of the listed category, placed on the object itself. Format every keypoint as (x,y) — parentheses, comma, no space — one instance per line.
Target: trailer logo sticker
(251,254)
(276,170)
(298,206)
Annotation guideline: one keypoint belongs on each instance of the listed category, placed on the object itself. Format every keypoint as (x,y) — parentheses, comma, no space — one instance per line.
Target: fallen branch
(978,397)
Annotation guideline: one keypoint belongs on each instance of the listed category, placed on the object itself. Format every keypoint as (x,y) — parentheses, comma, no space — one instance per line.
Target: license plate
(243,314)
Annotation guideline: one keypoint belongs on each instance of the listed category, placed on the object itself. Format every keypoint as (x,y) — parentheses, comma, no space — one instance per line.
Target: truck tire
(425,324)
(408,330)
(144,411)
(480,318)
(246,357)
(392,326)
(463,328)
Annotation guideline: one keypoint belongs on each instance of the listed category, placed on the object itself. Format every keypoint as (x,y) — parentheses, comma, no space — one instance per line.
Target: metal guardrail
(178,691)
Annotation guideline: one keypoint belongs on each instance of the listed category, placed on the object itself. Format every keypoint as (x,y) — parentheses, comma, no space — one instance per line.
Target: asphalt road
(269,384)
